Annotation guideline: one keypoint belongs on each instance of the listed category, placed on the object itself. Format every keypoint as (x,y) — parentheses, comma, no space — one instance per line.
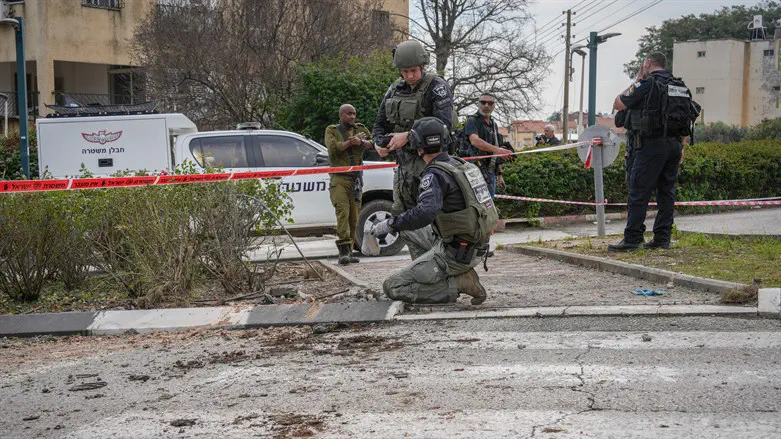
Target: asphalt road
(519,378)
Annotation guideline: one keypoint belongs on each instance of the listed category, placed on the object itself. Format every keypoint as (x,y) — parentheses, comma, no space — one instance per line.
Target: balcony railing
(103,4)
(12,108)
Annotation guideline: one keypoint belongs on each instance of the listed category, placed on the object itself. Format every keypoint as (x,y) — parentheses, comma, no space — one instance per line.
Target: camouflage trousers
(430,278)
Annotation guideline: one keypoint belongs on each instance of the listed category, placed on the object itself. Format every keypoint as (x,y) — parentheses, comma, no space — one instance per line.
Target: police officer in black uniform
(656,158)
(454,198)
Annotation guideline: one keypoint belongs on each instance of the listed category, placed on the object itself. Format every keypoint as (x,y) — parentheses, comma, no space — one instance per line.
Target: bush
(719,132)
(10,159)
(326,84)
(710,171)
(156,242)
(768,129)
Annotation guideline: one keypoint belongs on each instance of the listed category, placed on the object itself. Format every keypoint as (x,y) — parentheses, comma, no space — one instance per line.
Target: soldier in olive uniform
(346,143)
(416,95)
(454,197)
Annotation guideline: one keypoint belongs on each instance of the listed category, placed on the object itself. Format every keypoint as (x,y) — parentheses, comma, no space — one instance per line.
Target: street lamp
(21,86)
(579,51)
(593,41)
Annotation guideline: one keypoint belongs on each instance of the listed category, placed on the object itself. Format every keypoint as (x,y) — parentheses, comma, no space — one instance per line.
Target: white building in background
(736,81)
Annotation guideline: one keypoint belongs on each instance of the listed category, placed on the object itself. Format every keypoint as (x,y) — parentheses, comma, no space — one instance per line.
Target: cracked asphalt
(651,377)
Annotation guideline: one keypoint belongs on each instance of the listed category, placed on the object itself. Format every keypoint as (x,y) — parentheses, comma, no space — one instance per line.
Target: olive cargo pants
(342,191)
(428,279)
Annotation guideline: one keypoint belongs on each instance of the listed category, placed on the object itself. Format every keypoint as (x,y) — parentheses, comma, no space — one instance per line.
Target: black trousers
(654,169)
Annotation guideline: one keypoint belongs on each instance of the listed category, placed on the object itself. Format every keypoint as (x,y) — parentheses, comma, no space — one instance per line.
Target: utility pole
(567,74)
(21,96)
(592,78)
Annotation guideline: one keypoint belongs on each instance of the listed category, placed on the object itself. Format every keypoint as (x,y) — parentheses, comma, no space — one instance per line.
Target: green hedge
(10,163)
(710,171)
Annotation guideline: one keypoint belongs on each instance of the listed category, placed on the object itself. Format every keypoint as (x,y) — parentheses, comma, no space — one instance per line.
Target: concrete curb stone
(633,270)
(177,319)
(769,302)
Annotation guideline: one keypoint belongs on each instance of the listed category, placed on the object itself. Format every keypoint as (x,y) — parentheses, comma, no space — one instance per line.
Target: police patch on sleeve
(440,90)
(426,182)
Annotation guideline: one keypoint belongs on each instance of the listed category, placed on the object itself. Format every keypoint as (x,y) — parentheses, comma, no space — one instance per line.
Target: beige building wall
(713,71)
(399,10)
(736,82)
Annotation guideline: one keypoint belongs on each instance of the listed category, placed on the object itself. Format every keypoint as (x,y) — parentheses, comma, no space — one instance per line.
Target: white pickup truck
(155,142)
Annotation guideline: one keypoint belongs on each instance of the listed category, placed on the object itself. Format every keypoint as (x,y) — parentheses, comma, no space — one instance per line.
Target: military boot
(353,257)
(469,283)
(344,254)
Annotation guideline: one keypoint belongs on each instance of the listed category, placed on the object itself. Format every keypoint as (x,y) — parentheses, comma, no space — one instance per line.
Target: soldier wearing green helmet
(415,95)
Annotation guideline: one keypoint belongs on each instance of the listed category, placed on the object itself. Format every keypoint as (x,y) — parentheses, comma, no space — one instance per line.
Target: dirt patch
(292,425)
(370,343)
(228,357)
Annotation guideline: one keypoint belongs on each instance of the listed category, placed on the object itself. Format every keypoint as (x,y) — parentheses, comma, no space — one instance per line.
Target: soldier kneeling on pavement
(454,198)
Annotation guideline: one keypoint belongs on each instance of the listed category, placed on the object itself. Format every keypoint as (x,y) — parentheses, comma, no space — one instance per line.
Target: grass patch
(747,260)
(741,296)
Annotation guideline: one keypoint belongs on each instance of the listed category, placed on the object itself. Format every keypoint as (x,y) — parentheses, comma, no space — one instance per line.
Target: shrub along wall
(710,171)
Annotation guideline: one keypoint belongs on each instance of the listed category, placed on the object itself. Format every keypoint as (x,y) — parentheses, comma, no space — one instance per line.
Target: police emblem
(426,182)
(440,91)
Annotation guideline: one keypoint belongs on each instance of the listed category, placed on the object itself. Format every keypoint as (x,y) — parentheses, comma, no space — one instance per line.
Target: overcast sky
(611,79)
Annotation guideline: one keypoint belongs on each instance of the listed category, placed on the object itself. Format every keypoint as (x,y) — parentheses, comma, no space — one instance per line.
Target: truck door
(309,193)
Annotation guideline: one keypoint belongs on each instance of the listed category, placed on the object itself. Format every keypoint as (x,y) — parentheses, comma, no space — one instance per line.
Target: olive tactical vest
(403,108)
(476,222)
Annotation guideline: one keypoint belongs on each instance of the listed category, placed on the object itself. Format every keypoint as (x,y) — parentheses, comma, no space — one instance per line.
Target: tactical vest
(403,108)
(476,222)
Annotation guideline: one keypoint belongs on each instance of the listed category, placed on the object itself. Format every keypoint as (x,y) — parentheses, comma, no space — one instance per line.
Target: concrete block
(439,315)
(705,310)
(770,302)
(307,314)
(117,322)
(628,310)
(63,323)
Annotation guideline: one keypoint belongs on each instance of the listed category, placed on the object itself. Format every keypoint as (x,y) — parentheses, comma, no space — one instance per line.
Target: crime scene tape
(532,151)
(15,186)
(770,201)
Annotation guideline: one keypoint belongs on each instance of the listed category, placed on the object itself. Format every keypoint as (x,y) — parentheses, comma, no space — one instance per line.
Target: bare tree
(222,62)
(479,46)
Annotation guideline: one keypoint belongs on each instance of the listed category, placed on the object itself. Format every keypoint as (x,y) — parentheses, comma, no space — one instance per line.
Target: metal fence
(9,108)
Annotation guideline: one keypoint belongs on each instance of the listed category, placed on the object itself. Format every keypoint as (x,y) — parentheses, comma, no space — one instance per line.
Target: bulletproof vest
(474,223)
(403,108)
(669,109)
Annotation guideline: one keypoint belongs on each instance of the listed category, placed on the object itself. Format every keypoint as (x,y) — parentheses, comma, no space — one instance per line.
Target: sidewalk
(764,221)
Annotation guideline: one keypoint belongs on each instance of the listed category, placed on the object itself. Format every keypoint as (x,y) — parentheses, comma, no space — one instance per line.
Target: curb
(637,271)
(588,311)
(568,219)
(180,319)
(769,302)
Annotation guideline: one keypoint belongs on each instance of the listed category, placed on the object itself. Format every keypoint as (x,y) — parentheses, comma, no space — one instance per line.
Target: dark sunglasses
(487,102)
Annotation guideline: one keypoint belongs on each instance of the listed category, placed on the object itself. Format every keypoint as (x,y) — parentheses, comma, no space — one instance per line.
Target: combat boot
(353,258)
(469,283)
(344,254)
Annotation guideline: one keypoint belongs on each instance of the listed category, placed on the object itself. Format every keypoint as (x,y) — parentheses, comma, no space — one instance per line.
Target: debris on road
(183,422)
(646,337)
(88,386)
(143,378)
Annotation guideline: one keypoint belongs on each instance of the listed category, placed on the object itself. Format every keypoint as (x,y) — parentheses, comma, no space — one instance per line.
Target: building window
(768,52)
(700,90)
(105,4)
(701,54)
(380,20)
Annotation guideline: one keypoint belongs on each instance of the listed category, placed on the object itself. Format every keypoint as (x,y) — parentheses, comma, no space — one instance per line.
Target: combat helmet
(410,54)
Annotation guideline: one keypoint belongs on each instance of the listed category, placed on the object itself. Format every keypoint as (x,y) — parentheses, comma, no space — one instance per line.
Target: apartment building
(82,49)
(736,81)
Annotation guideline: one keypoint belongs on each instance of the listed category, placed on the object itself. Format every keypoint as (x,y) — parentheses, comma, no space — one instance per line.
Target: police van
(104,145)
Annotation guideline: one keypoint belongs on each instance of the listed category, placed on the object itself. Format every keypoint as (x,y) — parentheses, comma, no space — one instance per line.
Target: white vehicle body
(156,142)
(106,145)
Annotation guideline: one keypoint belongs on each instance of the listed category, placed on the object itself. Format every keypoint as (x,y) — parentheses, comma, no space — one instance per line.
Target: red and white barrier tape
(532,151)
(771,201)
(12,186)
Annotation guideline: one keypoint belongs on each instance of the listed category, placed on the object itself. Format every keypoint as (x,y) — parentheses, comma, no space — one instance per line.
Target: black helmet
(430,135)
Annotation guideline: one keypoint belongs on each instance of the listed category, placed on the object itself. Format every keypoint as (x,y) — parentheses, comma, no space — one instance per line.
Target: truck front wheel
(371,213)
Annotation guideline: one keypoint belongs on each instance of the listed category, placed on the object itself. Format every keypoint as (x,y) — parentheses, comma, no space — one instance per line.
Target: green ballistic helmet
(410,54)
